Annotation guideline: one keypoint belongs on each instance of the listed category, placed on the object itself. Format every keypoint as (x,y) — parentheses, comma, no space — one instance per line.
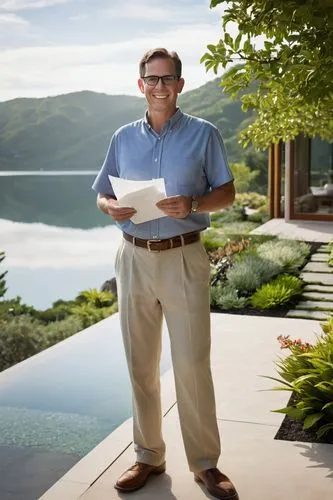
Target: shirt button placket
(157,153)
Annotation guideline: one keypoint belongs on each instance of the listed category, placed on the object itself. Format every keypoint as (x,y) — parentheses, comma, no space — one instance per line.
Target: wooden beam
(277,181)
(271,193)
(292,179)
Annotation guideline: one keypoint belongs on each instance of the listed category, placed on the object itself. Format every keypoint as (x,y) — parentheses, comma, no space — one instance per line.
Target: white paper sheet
(141,195)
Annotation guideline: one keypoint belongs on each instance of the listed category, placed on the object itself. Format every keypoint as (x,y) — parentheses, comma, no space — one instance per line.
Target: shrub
(14,307)
(308,373)
(219,270)
(250,273)
(226,297)
(232,214)
(289,254)
(95,298)
(58,312)
(260,216)
(89,314)
(230,248)
(251,200)
(243,176)
(60,330)
(20,338)
(213,239)
(243,227)
(279,292)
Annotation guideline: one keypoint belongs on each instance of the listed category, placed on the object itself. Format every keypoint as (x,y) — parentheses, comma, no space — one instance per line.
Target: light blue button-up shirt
(188,153)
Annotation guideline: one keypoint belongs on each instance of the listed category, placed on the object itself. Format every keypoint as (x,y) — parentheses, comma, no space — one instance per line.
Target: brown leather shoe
(136,476)
(217,484)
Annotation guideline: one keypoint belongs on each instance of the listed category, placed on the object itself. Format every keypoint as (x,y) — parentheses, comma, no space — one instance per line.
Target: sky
(51,47)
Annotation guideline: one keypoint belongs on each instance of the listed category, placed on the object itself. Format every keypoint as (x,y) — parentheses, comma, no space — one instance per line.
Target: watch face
(194,206)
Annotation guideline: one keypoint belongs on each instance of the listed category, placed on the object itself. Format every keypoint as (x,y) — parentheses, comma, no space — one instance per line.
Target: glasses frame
(173,79)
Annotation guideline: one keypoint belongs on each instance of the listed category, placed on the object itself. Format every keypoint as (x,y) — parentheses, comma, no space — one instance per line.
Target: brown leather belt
(158,245)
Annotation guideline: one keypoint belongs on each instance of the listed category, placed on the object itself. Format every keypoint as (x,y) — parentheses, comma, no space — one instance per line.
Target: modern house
(301,180)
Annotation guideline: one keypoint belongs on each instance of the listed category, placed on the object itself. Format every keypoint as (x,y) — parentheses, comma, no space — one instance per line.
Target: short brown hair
(160,53)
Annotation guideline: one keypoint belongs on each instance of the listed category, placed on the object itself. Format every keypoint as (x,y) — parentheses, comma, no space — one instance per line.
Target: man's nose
(159,83)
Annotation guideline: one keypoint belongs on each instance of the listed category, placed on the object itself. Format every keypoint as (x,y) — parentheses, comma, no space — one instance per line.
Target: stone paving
(318,267)
(317,299)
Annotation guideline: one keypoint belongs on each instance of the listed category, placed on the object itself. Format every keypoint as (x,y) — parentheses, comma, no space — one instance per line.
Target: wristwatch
(194,205)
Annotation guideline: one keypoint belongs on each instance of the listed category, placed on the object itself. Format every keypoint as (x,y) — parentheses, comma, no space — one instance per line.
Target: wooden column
(277,180)
(291,163)
(270,180)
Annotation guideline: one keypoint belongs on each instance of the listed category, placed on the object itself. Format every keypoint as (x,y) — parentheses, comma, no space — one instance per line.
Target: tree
(3,288)
(243,176)
(293,71)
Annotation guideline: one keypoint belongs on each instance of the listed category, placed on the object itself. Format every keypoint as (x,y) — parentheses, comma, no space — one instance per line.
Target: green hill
(66,132)
(72,132)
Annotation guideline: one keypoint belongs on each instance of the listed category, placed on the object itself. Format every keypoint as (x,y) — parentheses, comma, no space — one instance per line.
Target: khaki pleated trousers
(175,283)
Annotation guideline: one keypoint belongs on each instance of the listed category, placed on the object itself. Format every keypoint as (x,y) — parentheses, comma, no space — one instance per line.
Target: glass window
(313,176)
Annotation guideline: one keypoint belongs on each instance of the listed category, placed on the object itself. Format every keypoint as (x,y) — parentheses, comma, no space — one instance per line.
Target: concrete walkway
(298,229)
(243,349)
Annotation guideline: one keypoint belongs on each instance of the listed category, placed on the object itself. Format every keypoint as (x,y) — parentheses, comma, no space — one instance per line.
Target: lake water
(58,405)
(47,262)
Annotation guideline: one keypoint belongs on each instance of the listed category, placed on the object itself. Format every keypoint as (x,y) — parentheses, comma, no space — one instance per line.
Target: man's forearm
(103,202)
(217,199)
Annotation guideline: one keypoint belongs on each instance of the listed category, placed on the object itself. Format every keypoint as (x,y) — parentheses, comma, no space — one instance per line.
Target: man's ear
(181,83)
(141,85)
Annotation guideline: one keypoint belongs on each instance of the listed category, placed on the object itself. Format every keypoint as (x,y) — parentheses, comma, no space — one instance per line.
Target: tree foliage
(293,71)
(243,176)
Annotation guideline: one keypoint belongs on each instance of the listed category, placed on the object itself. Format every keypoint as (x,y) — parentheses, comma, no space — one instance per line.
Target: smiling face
(161,98)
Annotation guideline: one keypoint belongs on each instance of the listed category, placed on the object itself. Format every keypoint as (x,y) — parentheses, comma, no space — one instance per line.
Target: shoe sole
(156,472)
(234,496)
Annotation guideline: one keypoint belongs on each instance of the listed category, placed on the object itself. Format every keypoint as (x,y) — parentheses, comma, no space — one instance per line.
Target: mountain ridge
(72,131)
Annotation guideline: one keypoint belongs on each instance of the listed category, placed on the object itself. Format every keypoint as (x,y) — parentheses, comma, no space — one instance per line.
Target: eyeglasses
(153,80)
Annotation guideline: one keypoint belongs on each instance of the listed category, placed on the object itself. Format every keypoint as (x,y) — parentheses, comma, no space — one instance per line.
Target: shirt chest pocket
(189,174)
(135,163)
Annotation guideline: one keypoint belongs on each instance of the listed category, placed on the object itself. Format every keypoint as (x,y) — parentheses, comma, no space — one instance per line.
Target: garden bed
(278,311)
(255,276)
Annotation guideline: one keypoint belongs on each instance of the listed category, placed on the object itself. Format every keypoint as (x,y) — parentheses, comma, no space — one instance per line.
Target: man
(162,269)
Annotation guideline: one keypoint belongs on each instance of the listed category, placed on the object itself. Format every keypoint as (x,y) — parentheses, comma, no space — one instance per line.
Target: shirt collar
(169,124)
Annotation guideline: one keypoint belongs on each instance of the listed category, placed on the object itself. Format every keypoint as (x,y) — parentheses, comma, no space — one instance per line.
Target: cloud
(12,20)
(79,17)
(110,68)
(16,5)
(149,11)
(13,27)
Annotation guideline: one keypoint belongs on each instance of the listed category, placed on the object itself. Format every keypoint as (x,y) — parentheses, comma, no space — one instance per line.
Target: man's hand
(118,213)
(176,206)
(110,206)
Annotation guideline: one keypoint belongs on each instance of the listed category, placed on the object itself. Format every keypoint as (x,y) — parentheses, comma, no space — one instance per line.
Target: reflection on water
(46,263)
(57,199)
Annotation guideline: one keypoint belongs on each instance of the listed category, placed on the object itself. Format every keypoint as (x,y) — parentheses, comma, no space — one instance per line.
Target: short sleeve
(216,161)
(109,167)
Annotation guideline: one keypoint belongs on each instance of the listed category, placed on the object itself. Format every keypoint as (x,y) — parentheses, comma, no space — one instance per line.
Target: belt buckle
(149,242)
